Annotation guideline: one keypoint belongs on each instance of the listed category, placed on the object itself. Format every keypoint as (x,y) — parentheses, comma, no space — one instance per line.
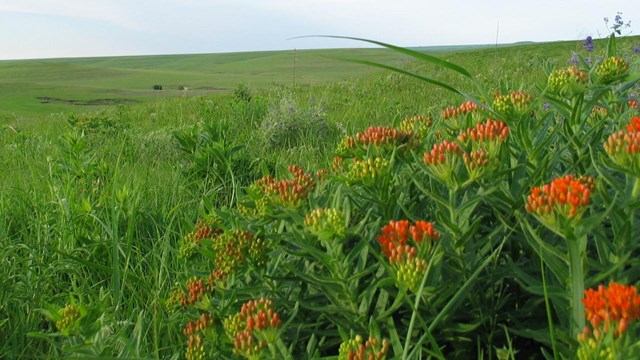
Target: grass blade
(415,54)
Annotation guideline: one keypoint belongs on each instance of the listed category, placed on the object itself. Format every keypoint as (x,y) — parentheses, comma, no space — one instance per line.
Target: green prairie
(34,88)
(105,183)
(27,85)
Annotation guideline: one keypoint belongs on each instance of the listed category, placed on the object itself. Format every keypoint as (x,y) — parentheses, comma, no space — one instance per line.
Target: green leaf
(611,45)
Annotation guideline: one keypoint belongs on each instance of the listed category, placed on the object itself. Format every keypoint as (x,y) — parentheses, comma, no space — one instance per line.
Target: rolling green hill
(35,88)
(32,87)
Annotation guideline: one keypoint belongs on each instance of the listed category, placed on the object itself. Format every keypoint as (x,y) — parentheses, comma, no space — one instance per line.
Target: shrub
(242,93)
(287,124)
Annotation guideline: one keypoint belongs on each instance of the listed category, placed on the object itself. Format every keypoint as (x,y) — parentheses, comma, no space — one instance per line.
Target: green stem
(636,189)
(453,218)
(548,308)
(576,290)
(414,314)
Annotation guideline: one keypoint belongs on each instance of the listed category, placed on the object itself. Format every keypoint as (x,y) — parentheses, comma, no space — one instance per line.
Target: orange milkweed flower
(611,308)
(564,195)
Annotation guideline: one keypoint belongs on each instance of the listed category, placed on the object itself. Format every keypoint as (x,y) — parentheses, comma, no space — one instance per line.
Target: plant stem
(548,308)
(453,218)
(636,189)
(415,310)
(576,288)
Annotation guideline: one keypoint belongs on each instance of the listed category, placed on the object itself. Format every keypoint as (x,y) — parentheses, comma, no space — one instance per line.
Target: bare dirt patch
(93,102)
(211,88)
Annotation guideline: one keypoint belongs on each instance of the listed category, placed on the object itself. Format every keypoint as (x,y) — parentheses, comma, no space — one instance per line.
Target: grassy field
(131,79)
(35,88)
(104,206)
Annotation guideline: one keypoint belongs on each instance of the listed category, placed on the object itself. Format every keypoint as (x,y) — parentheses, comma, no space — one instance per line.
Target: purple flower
(574,58)
(588,44)
(636,48)
(546,106)
(618,20)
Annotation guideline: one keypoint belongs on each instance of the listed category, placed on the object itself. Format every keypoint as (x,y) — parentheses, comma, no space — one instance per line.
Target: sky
(85,28)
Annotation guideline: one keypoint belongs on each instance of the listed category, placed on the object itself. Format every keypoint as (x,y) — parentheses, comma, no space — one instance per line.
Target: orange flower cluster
(347,143)
(380,138)
(491,130)
(465,108)
(442,153)
(377,135)
(623,147)
(204,321)
(408,266)
(476,159)
(288,192)
(338,165)
(196,290)
(422,229)
(396,233)
(482,142)
(260,315)
(233,248)
(216,277)
(622,142)
(322,173)
(257,325)
(393,234)
(230,250)
(611,308)
(634,124)
(444,159)
(634,104)
(372,349)
(565,196)
(191,241)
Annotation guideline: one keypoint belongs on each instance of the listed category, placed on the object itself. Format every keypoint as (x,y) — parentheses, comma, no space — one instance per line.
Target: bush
(157,87)
(242,93)
(288,124)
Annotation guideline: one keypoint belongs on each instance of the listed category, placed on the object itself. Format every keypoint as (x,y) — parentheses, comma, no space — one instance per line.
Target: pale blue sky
(75,28)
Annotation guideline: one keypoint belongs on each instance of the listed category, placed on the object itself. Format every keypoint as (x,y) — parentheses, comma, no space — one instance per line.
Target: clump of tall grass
(288,124)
